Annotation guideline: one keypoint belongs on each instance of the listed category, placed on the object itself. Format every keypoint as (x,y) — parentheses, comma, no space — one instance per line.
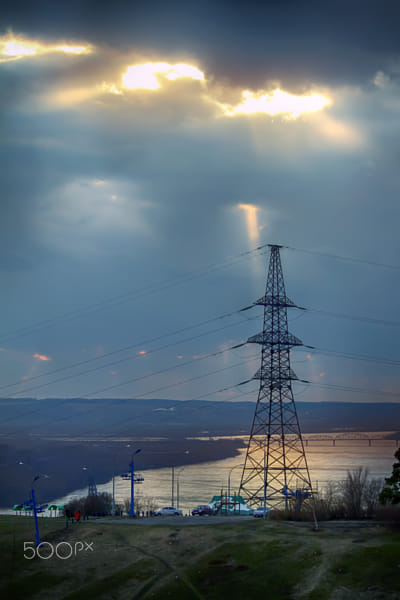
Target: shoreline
(69,464)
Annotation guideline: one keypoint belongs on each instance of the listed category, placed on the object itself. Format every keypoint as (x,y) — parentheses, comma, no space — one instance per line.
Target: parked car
(202,509)
(169,510)
(259,512)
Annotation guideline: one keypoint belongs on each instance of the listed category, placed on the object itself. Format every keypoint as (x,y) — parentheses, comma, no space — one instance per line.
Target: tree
(98,504)
(91,505)
(359,494)
(391,491)
(142,504)
(352,492)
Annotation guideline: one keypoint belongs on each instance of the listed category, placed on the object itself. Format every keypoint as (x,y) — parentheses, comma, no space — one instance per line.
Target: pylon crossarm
(281,302)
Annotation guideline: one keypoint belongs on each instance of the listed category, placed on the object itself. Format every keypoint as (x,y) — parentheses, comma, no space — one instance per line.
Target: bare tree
(371,496)
(141,504)
(359,493)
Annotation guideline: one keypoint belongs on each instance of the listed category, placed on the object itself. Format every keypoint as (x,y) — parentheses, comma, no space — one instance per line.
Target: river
(198,483)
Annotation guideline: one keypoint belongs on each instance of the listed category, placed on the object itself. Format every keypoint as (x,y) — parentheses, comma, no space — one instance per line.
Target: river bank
(63,461)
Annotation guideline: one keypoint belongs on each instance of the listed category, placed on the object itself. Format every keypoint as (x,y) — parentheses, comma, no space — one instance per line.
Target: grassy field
(240,560)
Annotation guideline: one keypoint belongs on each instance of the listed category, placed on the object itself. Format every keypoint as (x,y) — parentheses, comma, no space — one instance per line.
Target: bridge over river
(356,439)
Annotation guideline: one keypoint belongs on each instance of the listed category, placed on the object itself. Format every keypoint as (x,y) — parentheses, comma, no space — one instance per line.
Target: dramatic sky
(148,148)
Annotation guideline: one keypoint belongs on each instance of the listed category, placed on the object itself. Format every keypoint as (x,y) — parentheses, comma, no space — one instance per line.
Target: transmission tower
(275,470)
(92,488)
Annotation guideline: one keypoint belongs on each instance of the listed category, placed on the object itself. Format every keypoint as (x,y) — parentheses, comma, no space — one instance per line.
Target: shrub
(391,491)
(90,505)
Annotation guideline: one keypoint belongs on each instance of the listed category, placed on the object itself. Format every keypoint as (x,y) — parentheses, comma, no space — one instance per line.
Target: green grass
(28,585)
(376,567)
(245,570)
(140,571)
(241,560)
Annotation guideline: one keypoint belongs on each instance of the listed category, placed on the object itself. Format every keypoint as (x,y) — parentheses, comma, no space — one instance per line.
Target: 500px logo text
(62,550)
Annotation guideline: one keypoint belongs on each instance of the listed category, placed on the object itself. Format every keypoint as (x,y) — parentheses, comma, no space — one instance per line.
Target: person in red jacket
(78,515)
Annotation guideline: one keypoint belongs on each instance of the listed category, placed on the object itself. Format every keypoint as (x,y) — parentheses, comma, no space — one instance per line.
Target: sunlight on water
(198,483)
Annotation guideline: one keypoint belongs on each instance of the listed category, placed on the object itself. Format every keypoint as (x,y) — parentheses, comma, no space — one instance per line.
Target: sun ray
(250,211)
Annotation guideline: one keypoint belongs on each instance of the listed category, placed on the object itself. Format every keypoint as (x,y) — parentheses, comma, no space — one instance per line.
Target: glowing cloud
(72,49)
(143,352)
(14,48)
(251,220)
(109,88)
(41,356)
(147,76)
(275,103)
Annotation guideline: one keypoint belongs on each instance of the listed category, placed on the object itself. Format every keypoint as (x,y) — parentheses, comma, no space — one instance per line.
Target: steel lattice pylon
(92,489)
(275,471)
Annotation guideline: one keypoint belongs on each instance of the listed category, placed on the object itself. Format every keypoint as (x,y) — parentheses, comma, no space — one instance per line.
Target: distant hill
(156,417)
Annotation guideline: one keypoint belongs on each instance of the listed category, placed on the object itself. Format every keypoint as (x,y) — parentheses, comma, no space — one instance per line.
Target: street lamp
(229,479)
(131,476)
(35,508)
(32,503)
(177,486)
(265,484)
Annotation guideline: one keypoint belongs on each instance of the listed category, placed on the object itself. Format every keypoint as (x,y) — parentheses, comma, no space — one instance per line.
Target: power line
(354,318)
(152,288)
(338,316)
(362,357)
(152,391)
(346,258)
(187,328)
(344,388)
(126,348)
(106,389)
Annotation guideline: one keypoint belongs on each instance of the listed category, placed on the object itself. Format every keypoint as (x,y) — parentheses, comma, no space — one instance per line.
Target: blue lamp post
(134,480)
(132,507)
(34,508)
(34,511)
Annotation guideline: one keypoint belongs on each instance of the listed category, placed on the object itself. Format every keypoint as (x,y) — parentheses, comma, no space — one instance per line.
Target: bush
(391,491)
(356,497)
(90,505)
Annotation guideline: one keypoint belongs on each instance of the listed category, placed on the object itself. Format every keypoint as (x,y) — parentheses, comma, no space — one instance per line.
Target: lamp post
(172,486)
(132,473)
(32,502)
(177,487)
(113,498)
(265,485)
(35,508)
(229,479)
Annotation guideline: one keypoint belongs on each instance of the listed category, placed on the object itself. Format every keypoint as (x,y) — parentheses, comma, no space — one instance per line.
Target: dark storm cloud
(294,42)
(104,193)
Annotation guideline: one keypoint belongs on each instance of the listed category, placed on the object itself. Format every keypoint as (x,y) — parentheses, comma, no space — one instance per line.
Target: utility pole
(275,463)
(172,486)
(133,480)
